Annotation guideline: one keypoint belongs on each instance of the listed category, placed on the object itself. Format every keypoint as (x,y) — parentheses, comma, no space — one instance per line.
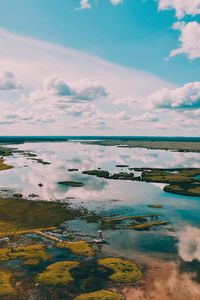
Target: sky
(100,67)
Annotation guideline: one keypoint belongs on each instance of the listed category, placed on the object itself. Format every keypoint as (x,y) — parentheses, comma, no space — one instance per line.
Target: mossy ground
(18,215)
(6,287)
(36,252)
(78,247)
(124,271)
(4,166)
(58,273)
(100,295)
(184,189)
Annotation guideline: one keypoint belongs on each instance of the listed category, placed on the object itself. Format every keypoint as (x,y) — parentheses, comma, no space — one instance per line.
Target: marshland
(55,197)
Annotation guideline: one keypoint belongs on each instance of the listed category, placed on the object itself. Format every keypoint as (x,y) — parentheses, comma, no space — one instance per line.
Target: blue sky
(133,38)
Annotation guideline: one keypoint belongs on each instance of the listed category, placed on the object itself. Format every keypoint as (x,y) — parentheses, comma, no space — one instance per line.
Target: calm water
(113,197)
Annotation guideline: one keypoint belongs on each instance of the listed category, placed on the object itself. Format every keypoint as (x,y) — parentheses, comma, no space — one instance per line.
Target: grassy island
(100,295)
(124,271)
(58,273)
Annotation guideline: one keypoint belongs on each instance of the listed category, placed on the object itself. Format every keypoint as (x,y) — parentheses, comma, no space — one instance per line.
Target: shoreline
(169,145)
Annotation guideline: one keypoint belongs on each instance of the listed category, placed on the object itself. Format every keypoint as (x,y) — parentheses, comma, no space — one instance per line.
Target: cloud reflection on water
(189,244)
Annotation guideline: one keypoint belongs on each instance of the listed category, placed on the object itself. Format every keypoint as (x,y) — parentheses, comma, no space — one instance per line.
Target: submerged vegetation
(143,222)
(5,151)
(71,183)
(155,206)
(147,225)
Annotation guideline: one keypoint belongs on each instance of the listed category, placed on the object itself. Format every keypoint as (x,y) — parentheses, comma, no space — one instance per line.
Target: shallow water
(113,197)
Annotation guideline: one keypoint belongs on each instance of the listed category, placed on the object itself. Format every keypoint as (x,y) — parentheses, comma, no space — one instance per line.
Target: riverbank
(170,145)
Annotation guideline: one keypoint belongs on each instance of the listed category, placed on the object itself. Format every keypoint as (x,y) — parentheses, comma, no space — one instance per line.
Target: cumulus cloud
(123,116)
(55,85)
(189,39)
(86,4)
(189,244)
(185,97)
(95,118)
(148,117)
(130,101)
(12,115)
(8,82)
(116,2)
(63,92)
(182,7)
(188,120)
(58,93)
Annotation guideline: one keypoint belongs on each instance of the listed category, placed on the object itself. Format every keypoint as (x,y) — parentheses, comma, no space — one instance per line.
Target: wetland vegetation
(183,181)
(170,144)
(44,245)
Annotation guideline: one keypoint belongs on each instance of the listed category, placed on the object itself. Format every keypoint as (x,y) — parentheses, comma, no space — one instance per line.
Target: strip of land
(179,146)
(183,181)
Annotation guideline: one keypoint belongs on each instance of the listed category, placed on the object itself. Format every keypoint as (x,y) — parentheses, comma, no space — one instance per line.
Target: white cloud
(148,117)
(10,114)
(68,100)
(8,82)
(45,59)
(61,98)
(116,2)
(130,101)
(83,90)
(123,116)
(84,4)
(189,244)
(185,97)
(189,39)
(182,7)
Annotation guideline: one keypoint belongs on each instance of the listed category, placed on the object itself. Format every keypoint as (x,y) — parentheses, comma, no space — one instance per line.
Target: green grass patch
(18,215)
(58,273)
(148,225)
(6,287)
(4,166)
(124,271)
(100,295)
(36,251)
(77,248)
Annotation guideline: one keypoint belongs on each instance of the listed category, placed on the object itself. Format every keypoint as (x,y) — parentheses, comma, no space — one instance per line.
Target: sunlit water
(112,197)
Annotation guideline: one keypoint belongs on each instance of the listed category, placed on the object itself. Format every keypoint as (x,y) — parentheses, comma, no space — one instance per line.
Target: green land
(182,181)
(179,146)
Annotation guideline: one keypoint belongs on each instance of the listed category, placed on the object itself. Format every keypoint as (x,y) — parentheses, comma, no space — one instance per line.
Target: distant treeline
(24,139)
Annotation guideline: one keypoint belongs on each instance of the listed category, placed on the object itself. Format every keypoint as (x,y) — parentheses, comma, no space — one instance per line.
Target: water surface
(111,197)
